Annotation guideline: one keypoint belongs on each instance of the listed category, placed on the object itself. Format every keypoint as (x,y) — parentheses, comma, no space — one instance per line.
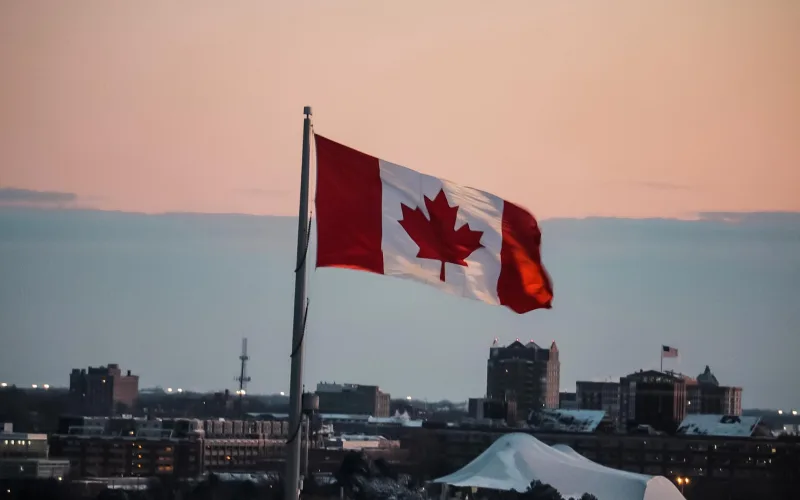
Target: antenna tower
(243,378)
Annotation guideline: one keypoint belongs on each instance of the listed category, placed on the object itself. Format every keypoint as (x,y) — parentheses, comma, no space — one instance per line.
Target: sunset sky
(627,108)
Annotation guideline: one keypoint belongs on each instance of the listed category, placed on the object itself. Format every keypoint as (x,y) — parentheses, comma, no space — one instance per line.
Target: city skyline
(656,144)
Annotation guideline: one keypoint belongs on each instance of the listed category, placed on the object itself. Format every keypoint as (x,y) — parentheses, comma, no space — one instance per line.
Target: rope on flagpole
(297,347)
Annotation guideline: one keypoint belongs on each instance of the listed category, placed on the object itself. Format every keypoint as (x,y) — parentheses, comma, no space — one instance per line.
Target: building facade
(652,398)
(599,396)
(706,396)
(103,390)
(524,373)
(568,401)
(26,456)
(133,447)
(353,399)
(713,462)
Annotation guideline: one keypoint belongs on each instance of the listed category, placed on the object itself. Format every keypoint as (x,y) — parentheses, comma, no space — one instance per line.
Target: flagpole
(292,483)
(662,359)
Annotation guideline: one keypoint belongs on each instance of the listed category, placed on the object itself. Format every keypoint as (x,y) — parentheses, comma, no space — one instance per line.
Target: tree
(538,490)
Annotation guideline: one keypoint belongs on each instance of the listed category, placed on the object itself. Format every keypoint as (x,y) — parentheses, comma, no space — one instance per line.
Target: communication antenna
(243,378)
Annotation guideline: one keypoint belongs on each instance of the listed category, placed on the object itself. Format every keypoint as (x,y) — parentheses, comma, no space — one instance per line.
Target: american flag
(668,352)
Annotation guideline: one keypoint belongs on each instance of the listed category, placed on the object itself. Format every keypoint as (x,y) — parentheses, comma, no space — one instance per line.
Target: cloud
(28,197)
(664,186)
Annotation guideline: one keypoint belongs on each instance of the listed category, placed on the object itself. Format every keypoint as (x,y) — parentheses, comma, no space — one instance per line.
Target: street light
(4,384)
(34,386)
(46,386)
(180,390)
(283,393)
(169,389)
(794,413)
(408,398)
(780,412)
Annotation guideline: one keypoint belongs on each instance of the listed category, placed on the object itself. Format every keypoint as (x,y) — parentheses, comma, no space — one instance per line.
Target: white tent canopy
(514,460)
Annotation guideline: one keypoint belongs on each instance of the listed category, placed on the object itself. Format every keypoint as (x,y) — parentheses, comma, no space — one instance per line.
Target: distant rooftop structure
(718,425)
(334,387)
(402,420)
(566,420)
(707,377)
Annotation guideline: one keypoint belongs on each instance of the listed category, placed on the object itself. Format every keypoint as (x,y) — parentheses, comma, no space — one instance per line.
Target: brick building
(353,399)
(133,447)
(103,390)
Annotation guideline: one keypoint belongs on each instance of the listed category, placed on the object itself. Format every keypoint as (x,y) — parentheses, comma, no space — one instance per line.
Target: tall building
(524,373)
(652,398)
(103,390)
(706,396)
(599,396)
(353,399)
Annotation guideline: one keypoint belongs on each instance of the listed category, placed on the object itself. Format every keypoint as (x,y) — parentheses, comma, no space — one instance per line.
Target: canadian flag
(373,215)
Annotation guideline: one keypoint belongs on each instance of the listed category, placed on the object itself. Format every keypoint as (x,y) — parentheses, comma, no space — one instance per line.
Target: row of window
(16,442)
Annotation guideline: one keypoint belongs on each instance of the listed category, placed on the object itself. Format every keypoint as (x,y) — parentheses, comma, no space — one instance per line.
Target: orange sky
(628,108)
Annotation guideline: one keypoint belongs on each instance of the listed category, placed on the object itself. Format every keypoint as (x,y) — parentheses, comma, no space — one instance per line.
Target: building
(475,408)
(353,399)
(103,390)
(22,445)
(568,401)
(652,398)
(706,396)
(525,373)
(570,421)
(26,456)
(723,425)
(182,447)
(599,396)
(723,464)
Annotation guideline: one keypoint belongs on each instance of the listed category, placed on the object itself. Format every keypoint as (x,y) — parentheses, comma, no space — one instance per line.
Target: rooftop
(566,420)
(718,425)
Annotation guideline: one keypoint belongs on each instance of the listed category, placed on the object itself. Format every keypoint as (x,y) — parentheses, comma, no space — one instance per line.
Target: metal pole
(292,484)
(306,439)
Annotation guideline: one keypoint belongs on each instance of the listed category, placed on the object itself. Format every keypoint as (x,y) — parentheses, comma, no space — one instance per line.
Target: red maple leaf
(437,238)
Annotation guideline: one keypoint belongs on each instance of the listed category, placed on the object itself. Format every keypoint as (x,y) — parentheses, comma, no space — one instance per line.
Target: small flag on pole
(668,352)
